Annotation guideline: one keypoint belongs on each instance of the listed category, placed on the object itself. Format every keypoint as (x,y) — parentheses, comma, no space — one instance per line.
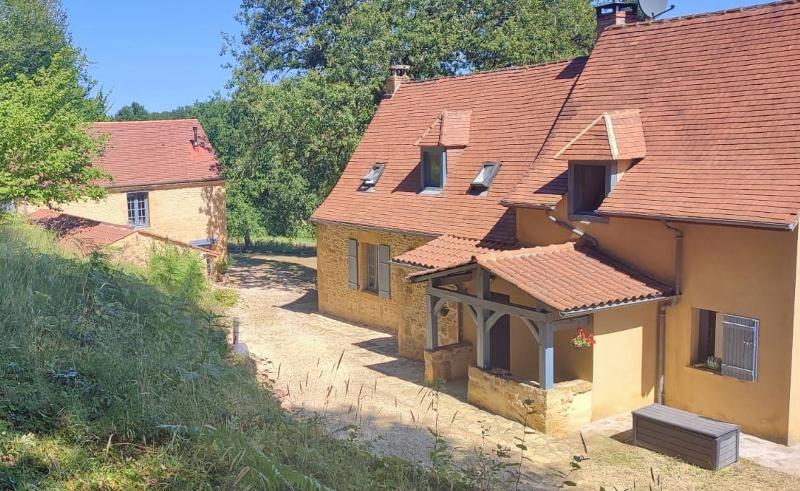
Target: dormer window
(434,168)
(485,177)
(589,184)
(369,181)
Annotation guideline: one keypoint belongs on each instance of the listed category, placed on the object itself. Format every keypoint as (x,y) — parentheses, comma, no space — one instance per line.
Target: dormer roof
(717,95)
(615,135)
(499,116)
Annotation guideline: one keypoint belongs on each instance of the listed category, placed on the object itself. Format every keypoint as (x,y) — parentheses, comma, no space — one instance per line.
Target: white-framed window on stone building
(138,210)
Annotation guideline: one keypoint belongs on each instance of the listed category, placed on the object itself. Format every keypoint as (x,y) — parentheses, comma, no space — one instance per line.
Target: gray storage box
(695,439)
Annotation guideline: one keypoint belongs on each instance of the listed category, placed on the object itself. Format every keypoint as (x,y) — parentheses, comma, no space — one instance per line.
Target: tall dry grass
(107,382)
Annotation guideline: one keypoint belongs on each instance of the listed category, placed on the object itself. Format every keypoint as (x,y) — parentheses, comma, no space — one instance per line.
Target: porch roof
(447,249)
(569,277)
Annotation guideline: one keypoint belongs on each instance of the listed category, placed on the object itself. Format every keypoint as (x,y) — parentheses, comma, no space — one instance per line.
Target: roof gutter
(591,310)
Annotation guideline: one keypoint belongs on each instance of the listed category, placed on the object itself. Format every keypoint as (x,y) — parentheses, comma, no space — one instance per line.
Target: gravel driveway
(352,376)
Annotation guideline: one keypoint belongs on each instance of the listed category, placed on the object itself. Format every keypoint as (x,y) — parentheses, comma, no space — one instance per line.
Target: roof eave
(326,221)
(707,221)
(566,314)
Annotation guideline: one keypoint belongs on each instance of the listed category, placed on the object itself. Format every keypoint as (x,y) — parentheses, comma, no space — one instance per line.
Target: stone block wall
(565,407)
(402,313)
(191,212)
(448,362)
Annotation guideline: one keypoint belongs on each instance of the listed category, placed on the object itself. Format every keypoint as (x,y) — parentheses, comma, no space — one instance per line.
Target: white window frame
(136,219)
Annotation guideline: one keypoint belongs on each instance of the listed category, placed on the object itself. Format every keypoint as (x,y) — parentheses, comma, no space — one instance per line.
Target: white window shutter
(384,272)
(352,264)
(740,339)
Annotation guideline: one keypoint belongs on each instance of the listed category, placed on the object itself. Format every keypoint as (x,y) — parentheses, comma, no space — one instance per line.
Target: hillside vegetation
(107,382)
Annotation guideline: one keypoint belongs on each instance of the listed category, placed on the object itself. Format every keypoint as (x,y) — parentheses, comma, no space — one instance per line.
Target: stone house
(659,216)
(166,181)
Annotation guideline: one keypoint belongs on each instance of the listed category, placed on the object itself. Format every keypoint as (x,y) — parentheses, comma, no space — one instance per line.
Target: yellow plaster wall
(794,396)
(736,270)
(624,361)
(403,313)
(136,249)
(186,213)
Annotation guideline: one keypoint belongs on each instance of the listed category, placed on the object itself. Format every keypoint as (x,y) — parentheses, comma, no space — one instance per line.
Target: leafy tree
(309,75)
(132,112)
(31,33)
(45,148)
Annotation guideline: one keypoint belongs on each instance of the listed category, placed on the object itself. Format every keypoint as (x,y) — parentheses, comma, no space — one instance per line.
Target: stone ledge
(449,362)
(565,407)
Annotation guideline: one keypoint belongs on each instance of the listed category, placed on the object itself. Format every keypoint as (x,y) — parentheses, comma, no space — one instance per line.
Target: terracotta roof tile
(568,277)
(78,233)
(85,235)
(719,103)
(446,250)
(512,111)
(455,128)
(142,153)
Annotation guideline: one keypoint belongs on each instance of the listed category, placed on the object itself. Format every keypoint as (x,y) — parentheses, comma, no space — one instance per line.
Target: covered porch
(549,292)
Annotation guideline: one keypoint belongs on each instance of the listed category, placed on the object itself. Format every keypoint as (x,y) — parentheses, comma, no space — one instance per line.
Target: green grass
(107,382)
(298,246)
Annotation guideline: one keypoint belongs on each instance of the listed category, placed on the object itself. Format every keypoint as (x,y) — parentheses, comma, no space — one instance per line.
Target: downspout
(576,231)
(662,311)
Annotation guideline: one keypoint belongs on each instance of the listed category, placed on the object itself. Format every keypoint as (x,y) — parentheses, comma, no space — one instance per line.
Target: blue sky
(166,53)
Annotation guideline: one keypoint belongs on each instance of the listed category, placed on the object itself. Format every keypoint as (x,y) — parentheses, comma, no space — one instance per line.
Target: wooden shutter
(740,339)
(352,264)
(384,272)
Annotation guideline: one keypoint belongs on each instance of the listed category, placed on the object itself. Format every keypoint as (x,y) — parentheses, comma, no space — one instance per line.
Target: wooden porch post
(432,331)
(483,339)
(546,356)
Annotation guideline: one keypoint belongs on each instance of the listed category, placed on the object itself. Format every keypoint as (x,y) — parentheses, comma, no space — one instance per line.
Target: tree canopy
(46,150)
(308,75)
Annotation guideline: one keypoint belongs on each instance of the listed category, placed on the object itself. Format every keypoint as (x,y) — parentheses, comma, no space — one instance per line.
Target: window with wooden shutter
(740,339)
(384,272)
(352,264)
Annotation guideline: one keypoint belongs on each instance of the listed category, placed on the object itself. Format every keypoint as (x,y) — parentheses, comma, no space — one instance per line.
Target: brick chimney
(397,75)
(616,14)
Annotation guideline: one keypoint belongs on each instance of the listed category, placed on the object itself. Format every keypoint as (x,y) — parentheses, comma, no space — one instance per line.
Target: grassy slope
(108,383)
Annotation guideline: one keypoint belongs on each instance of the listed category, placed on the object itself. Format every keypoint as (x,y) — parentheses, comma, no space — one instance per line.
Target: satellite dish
(654,8)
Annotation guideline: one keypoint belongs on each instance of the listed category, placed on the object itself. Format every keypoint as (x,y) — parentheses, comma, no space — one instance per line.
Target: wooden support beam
(442,274)
(432,331)
(456,279)
(546,360)
(492,320)
(472,313)
(537,316)
(483,349)
(438,305)
(534,330)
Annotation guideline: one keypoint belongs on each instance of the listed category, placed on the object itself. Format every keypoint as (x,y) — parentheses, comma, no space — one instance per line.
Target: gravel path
(352,376)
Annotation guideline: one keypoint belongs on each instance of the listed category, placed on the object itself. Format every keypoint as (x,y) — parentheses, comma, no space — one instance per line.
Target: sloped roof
(568,277)
(79,233)
(718,96)
(446,249)
(140,153)
(512,112)
(617,135)
(85,235)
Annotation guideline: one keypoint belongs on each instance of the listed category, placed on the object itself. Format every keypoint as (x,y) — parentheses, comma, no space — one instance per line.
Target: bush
(177,271)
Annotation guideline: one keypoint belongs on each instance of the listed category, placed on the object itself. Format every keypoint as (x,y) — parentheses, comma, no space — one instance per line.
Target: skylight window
(485,176)
(369,181)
